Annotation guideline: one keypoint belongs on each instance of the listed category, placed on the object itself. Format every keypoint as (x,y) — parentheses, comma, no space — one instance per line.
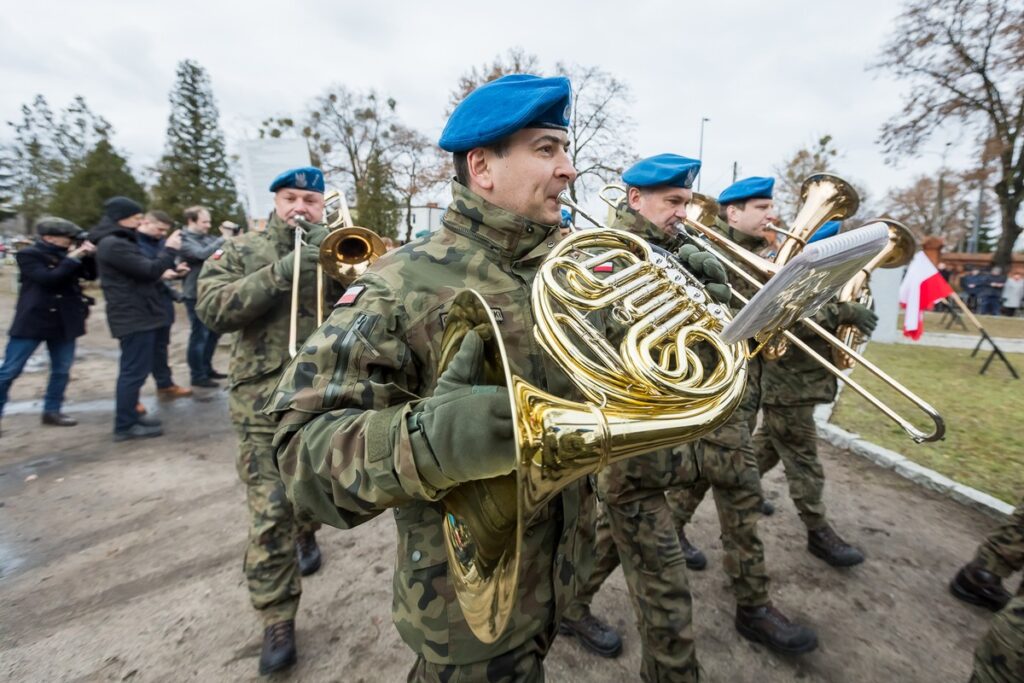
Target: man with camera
(197,245)
(51,308)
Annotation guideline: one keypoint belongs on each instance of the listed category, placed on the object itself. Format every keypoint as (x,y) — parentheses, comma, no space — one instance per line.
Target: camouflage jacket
(628,481)
(754,245)
(344,453)
(240,291)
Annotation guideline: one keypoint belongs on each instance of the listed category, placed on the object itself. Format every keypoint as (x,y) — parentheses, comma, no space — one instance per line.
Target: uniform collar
(472,216)
(752,244)
(627,218)
(279,230)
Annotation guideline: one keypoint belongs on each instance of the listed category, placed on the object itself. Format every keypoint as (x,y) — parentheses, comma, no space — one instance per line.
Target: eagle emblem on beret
(300,180)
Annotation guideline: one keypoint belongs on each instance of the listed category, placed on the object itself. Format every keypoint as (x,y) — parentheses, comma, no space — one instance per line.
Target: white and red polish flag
(923,286)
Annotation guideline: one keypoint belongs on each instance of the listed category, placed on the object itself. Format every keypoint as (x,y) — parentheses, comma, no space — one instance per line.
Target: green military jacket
(628,481)
(343,445)
(240,291)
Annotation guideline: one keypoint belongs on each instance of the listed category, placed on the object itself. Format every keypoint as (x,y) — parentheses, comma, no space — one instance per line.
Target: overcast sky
(770,76)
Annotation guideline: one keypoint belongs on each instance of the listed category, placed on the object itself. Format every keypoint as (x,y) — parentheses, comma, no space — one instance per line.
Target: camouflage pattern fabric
(240,292)
(999,657)
(524,664)
(1002,551)
(343,443)
(788,433)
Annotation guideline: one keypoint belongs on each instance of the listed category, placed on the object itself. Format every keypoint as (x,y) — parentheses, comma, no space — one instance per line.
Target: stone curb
(883,457)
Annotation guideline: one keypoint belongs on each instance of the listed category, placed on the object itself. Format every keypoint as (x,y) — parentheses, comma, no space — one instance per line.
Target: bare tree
(600,130)
(819,157)
(952,215)
(964,60)
(515,61)
(418,168)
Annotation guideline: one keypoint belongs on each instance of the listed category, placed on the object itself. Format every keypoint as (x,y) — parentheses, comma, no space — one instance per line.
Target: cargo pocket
(422,593)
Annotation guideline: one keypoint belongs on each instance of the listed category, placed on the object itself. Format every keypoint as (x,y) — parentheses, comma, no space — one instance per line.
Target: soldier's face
(291,202)
(663,206)
(529,177)
(754,218)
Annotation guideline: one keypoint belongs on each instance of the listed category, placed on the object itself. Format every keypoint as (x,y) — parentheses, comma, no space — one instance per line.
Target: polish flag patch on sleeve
(604,268)
(350,295)
(217,254)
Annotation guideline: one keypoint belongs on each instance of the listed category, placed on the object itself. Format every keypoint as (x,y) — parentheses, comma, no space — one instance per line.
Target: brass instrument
(648,391)
(735,255)
(825,197)
(346,252)
(898,252)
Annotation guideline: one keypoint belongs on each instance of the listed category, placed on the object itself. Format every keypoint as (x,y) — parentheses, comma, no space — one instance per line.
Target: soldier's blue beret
(826,230)
(661,170)
(304,178)
(502,107)
(748,188)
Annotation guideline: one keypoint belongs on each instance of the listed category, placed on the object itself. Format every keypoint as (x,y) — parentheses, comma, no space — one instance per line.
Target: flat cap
(304,178)
(749,188)
(497,109)
(58,227)
(663,170)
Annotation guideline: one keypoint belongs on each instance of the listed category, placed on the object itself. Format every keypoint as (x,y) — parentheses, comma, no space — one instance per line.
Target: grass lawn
(984,444)
(997,326)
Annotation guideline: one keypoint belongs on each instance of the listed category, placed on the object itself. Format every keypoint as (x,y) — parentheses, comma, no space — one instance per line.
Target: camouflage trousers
(1002,551)
(641,536)
(788,433)
(271,565)
(524,664)
(999,657)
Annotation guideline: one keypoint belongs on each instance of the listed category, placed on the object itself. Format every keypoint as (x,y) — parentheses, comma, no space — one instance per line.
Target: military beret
(748,188)
(304,178)
(826,230)
(662,170)
(58,227)
(119,208)
(502,107)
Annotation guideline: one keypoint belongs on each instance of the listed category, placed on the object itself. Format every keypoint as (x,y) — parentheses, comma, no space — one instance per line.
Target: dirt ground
(124,562)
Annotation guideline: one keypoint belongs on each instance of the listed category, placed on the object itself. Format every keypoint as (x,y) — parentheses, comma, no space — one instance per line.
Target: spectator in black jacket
(151,235)
(51,308)
(135,311)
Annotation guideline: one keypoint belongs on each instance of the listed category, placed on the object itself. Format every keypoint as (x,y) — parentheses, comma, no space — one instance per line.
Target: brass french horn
(648,391)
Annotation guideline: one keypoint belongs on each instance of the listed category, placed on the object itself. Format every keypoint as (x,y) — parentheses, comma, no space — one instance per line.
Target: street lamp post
(700,152)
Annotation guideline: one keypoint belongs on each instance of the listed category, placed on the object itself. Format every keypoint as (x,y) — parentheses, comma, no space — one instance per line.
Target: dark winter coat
(50,303)
(131,280)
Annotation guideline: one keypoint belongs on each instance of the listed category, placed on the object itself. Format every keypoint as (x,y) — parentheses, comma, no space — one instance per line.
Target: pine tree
(103,174)
(194,168)
(378,208)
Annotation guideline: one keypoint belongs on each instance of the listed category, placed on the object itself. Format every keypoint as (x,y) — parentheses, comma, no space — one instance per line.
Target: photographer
(197,245)
(51,308)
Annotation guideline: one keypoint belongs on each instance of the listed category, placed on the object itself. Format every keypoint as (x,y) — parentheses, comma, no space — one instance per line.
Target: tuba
(345,253)
(898,252)
(648,390)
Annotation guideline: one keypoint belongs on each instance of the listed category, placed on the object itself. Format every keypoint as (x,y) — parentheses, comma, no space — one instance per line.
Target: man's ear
(731,213)
(478,162)
(633,198)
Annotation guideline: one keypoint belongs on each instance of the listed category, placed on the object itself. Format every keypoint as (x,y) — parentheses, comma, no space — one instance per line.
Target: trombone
(703,206)
(346,252)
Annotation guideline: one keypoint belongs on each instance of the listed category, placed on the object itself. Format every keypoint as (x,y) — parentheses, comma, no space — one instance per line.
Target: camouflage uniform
(239,290)
(635,528)
(344,449)
(790,388)
(726,463)
(999,657)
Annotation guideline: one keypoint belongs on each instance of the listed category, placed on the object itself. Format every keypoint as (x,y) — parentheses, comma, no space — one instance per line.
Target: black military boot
(769,626)
(309,553)
(695,559)
(278,647)
(593,634)
(978,586)
(59,420)
(829,546)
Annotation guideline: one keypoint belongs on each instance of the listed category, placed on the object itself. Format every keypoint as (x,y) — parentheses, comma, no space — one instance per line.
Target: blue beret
(304,178)
(502,107)
(662,169)
(827,230)
(748,188)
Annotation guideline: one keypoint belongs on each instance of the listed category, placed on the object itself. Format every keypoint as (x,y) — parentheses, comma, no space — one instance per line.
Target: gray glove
(465,428)
(706,268)
(858,315)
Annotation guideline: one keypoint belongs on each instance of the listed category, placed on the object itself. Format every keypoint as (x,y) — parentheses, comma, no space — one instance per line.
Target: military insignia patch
(350,295)
(605,268)
(217,254)
(300,180)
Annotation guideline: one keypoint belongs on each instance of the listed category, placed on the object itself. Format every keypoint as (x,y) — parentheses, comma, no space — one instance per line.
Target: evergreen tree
(194,167)
(376,203)
(103,174)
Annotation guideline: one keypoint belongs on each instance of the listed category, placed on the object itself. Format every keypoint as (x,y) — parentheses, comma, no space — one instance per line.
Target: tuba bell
(647,391)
